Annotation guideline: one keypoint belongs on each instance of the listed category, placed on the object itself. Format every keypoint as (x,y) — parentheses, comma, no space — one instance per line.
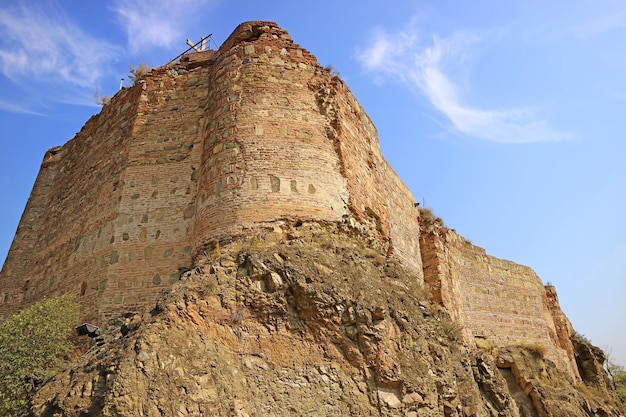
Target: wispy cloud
(157,23)
(43,44)
(426,67)
(17,108)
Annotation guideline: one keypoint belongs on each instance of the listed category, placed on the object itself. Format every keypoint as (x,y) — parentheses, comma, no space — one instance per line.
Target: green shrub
(34,344)
(618,374)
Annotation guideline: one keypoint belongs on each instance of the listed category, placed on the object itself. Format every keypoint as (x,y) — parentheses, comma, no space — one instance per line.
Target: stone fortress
(227,143)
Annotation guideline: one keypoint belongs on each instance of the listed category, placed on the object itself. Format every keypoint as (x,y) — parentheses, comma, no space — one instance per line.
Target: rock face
(310,319)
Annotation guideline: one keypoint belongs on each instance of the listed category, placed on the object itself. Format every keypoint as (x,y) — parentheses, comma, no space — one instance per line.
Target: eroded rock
(328,333)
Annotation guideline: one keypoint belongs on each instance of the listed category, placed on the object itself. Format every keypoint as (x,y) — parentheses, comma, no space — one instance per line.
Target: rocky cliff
(312,319)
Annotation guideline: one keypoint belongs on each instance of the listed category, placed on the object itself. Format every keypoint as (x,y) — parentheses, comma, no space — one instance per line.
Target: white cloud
(427,68)
(41,44)
(160,23)
(16,108)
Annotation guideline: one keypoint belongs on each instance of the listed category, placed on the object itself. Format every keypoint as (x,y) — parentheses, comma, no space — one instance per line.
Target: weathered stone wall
(563,329)
(377,198)
(266,153)
(63,240)
(111,214)
(222,144)
(152,236)
(285,139)
(493,299)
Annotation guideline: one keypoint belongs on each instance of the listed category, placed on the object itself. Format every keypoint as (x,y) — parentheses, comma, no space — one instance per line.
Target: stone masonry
(494,300)
(224,144)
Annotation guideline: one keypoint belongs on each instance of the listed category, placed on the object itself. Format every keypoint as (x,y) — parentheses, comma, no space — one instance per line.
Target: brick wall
(492,298)
(286,139)
(266,153)
(111,214)
(378,198)
(562,326)
(222,144)
(152,234)
(62,242)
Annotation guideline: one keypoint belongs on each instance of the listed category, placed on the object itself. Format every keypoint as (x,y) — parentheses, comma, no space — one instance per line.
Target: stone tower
(222,144)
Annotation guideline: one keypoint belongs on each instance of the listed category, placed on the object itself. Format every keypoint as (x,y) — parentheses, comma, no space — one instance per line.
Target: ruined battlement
(496,302)
(224,144)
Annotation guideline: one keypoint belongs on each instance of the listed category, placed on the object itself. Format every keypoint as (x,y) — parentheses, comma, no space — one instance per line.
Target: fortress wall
(492,298)
(16,272)
(438,274)
(285,139)
(64,235)
(562,326)
(403,222)
(266,153)
(378,197)
(153,231)
(220,145)
(112,212)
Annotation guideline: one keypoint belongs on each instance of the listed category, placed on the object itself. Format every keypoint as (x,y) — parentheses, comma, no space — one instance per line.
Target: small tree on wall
(34,344)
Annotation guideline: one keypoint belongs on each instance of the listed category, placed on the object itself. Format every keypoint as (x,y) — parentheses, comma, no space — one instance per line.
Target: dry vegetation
(101,99)
(451,329)
(428,217)
(138,72)
(535,347)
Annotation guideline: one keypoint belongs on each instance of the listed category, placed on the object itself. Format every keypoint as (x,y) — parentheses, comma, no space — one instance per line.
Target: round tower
(266,154)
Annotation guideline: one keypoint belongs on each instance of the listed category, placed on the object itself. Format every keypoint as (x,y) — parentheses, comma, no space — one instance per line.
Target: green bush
(34,344)
(618,374)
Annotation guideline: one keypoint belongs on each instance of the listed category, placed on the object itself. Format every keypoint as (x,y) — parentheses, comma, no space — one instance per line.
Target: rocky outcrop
(310,320)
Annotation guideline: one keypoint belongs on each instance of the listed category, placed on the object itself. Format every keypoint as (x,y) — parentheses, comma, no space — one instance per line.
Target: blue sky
(507,118)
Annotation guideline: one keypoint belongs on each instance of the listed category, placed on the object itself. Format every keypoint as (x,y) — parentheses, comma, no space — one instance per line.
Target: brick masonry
(223,144)
(494,299)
